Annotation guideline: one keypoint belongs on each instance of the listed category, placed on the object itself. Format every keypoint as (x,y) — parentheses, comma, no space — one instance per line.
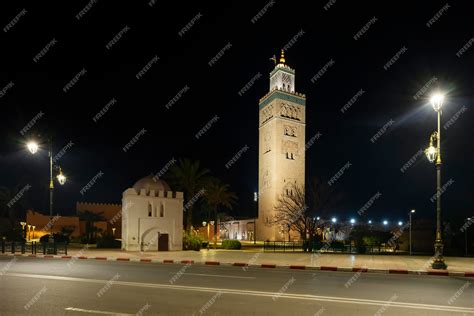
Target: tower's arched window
(149,209)
(162,210)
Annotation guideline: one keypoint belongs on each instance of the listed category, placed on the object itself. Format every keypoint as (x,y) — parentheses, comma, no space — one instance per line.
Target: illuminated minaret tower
(281,156)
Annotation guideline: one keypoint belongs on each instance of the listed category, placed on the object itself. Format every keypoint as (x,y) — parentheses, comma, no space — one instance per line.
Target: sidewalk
(323,261)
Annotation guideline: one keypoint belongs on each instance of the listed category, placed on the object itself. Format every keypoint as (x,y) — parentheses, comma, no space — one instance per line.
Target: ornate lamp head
(437,101)
(61,177)
(432,152)
(32,147)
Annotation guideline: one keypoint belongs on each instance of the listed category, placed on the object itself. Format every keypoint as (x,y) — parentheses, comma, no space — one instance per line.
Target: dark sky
(152,29)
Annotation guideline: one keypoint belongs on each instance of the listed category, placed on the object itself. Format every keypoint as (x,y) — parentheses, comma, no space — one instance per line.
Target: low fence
(290,246)
(33,247)
(317,246)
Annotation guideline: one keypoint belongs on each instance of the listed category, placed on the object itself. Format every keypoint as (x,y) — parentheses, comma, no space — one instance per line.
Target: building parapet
(98,204)
(153,193)
(297,94)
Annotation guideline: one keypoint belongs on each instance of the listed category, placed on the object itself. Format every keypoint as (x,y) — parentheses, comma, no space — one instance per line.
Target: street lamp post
(204,224)
(411,212)
(33,148)
(255,199)
(434,153)
(212,223)
(23,231)
(465,237)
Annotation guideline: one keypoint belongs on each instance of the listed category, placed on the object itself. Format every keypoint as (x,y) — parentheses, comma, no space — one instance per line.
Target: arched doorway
(154,239)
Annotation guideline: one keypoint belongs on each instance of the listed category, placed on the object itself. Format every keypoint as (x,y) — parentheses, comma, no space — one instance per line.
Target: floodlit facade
(282,122)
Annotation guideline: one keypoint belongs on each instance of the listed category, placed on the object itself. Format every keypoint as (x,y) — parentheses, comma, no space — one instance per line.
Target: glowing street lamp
(437,100)
(434,153)
(61,177)
(385,222)
(400,223)
(23,224)
(32,147)
(353,221)
(334,220)
(370,221)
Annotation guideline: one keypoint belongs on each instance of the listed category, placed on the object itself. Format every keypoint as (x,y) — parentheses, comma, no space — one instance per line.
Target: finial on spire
(282,57)
(274,59)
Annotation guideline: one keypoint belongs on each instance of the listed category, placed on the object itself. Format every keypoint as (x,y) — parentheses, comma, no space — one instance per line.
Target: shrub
(191,242)
(361,249)
(231,244)
(108,241)
(85,240)
(44,238)
(317,245)
(76,240)
(305,245)
(59,238)
(337,245)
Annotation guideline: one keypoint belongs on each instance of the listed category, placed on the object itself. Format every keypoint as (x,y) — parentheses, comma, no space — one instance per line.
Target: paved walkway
(374,262)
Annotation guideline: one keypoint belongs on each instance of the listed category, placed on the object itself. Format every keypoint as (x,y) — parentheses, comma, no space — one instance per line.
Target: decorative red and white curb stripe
(263,265)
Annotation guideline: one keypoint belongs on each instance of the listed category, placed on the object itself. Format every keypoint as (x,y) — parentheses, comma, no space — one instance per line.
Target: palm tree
(90,218)
(188,176)
(218,195)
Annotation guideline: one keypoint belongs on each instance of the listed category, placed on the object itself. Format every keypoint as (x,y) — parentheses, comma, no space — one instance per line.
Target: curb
(469,274)
(212,263)
(398,271)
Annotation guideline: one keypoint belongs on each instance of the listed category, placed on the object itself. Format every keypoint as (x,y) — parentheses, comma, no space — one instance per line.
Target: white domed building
(152,217)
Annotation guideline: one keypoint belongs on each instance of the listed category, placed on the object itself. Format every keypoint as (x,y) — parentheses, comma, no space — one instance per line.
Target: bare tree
(291,211)
(298,210)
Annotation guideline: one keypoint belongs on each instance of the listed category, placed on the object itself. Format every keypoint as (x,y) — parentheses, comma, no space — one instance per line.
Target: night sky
(149,33)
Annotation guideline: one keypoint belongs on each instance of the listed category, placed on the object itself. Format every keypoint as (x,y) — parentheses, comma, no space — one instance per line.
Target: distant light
(255,196)
(413,211)
(334,220)
(32,147)
(370,221)
(353,221)
(318,218)
(385,222)
(400,223)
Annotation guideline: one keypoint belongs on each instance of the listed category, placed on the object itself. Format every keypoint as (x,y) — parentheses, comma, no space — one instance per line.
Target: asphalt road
(30,286)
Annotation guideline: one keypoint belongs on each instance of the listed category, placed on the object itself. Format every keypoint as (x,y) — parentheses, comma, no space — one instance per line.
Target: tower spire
(282,57)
